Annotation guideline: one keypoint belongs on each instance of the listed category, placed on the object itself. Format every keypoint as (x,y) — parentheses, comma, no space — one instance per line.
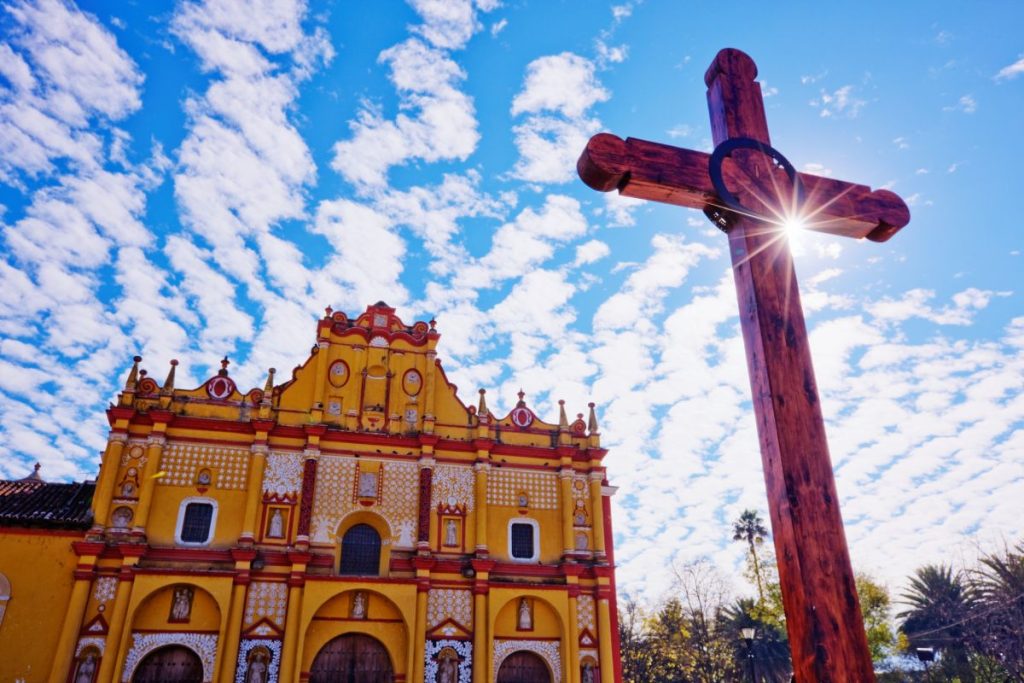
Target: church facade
(357,522)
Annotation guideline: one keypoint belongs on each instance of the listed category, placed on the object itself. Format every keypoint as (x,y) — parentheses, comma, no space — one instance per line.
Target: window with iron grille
(360,551)
(523,547)
(195,527)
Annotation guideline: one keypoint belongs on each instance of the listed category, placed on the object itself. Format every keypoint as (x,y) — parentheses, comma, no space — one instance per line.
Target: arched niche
(382,620)
(5,596)
(546,623)
(164,610)
(379,524)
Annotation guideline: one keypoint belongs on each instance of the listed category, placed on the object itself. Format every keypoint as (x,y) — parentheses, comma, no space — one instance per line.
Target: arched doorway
(352,658)
(171,664)
(524,667)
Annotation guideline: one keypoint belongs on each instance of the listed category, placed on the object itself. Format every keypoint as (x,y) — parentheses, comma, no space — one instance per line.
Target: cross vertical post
(823,618)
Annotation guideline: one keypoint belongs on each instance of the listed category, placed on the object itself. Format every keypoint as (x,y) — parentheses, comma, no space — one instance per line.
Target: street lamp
(748,637)
(926,655)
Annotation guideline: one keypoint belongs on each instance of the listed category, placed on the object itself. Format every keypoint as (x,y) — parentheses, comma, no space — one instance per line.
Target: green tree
(637,649)
(875,607)
(708,649)
(751,529)
(940,604)
(768,652)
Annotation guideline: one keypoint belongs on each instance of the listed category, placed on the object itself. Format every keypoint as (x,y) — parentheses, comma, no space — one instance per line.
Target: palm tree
(750,528)
(999,609)
(939,606)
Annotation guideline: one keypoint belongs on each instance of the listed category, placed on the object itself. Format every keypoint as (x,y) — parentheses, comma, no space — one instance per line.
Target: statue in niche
(588,673)
(367,484)
(128,489)
(86,668)
(275,529)
(579,514)
(358,605)
(451,531)
(524,500)
(121,518)
(204,478)
(448,670)
(525,615)
(181,604)
(257,671)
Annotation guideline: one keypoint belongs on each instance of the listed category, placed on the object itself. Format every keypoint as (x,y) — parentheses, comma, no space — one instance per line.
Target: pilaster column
(426,495)
(597,514)
(317,412)
(113,654)
(228,643)
(480,471)
(107,479)
(429,375)
(481,639)
(63,656)
(573,646)
(306,501)
(604,635)
(568,540)
(423,566)
(292,637)
(257,463)
(154,451)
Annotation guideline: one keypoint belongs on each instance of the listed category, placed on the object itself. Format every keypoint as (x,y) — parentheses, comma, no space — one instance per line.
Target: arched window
(360,551)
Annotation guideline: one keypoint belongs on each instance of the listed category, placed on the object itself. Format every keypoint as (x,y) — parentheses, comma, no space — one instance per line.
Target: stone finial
(35,474)
(169,382)
(268,386)
(482,408)
(133,375)
(592,422)
(329,312)
(224,363)
(522,398)
(563,419)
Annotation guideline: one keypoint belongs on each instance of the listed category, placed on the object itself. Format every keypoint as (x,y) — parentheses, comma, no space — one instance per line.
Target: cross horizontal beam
(663,173)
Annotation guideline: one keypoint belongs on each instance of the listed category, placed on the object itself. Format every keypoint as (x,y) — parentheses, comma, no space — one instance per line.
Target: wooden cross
(750,190)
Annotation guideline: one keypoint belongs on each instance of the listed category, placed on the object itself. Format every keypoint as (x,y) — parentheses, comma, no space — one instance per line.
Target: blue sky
(188,180)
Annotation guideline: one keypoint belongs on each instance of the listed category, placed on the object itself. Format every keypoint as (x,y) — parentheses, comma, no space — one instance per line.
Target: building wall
(367,430)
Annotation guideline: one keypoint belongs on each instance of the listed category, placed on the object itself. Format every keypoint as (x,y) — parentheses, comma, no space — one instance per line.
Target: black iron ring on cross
(722,216)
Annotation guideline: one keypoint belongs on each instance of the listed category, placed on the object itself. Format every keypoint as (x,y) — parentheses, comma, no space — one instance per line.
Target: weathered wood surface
(823,616)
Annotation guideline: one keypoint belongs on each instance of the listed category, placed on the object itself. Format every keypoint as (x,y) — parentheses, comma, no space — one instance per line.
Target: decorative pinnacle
(223,372)
(592,422)
(133,375)
(269,386)
(522,402)
(482,408)
(328,311)
(563,420)
(169,382)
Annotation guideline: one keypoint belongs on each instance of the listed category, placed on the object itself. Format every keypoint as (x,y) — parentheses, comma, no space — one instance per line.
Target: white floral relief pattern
(585,613)
(504,485)
(104,588)
(333,498)
(449,603)
(463,648)
(248,645)
(98,642)
(549,650)
(452,483)
(203,644)
(283,474)
(181,463)
(266,600)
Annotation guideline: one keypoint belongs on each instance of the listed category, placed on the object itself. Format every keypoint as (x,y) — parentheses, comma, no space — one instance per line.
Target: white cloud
(967,104)
(1011,71)
(841,101)
(591,252)
(563,83)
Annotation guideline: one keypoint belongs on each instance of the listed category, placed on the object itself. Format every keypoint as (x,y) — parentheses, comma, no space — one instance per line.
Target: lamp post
(926,655)
(748,637)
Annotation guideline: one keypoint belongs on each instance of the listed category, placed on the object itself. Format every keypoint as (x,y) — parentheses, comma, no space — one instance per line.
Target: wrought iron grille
(522,541)
(195,528)
(360,551)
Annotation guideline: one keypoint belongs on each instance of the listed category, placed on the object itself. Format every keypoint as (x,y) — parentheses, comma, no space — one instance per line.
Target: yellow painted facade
(355,520)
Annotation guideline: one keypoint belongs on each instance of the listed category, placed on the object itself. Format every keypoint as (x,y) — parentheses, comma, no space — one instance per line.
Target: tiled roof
(35,503)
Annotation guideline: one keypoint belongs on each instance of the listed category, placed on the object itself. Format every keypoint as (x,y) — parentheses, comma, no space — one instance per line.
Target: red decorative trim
(189,555)
(308,488)
(423,519)
(423,562)
(451,622)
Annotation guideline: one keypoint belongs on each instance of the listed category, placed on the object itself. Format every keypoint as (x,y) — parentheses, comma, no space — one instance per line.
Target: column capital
(481,467)
(156,440)
(118,437)
(427,462)
(259,449)
(311,453)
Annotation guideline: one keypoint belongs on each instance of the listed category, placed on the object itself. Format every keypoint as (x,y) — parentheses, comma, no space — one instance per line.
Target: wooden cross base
(826,631)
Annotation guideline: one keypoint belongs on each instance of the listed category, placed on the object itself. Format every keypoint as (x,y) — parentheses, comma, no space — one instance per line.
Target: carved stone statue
(367,484)
(588,673)
(121,518)
(181,606)
(359,605)
(451,533)
(86,669)
(257,671)
(276,529)
(525,615)
(448,670)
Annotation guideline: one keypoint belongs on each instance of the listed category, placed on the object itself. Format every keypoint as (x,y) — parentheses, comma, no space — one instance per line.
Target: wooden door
(523,667)
(172,664)
(352,658)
